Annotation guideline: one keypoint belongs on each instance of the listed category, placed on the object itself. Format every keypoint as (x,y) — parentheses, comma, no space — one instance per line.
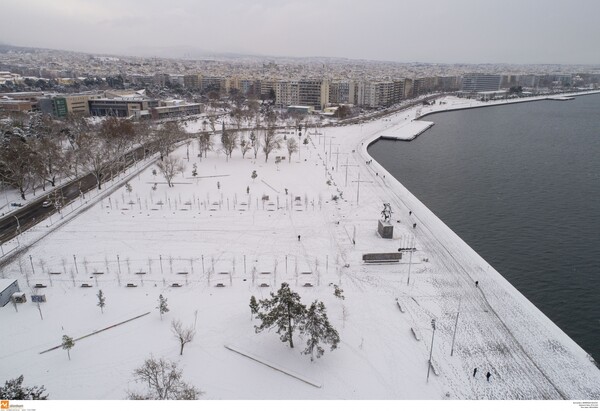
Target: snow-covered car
(46,203)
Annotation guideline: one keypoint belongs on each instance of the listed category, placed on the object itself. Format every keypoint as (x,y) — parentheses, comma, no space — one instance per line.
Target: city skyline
(511,32)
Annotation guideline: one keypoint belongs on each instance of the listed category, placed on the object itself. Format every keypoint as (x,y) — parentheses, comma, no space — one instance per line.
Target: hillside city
(60,83)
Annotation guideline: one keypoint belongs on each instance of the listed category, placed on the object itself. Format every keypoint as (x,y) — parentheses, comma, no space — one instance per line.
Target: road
(34,212)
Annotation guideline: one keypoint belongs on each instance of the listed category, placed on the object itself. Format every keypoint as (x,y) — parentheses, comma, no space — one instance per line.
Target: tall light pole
(431,350)
(455,327)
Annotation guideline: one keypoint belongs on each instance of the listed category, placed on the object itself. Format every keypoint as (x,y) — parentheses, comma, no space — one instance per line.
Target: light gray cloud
(447,31)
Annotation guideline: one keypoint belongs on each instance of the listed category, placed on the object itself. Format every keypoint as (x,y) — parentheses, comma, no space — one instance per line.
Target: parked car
(46,203)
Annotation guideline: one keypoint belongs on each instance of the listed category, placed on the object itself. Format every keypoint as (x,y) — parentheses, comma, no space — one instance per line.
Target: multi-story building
(528,80)
(481,82)
(78,104)
(313,93)
(55,106)
(120,107)
(423,85)
(448,83)
(13,105)
(378,94)
(191,81)
(342,92)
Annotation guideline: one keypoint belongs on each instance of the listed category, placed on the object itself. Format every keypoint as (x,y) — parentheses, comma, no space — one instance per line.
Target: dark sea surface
(520,183)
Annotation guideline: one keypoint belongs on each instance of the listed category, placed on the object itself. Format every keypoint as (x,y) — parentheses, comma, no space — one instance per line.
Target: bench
(264,285)
(183,273)
(435,368)
(381,258)
(85,285)
(416,333)
(55,273)
(130,285)
(39,286)
(175,285)
(220,285)
(307,285)
(97,273)
(399,307)
(141,273)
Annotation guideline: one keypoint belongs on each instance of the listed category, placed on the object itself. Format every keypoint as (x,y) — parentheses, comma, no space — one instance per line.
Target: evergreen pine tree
(253,306)
(338,292)
(162,306)
(317,328)
(283,311)
(14,390)
(101,300)
(67,344)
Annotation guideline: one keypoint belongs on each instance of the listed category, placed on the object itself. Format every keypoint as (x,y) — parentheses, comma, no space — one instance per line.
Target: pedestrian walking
(415,225)
(409,212)
(488,375)
(298,238)
(476,284)
(474,371)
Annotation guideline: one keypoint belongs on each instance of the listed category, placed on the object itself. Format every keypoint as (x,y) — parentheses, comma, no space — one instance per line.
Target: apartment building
(342,92)
(313,93)
(191,81)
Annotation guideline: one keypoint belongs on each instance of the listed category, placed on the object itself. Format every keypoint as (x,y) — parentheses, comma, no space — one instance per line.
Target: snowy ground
(212,229)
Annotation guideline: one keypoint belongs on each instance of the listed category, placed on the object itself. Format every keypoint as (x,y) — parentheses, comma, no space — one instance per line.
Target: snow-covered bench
(416,333)
(400,307)
(381,258)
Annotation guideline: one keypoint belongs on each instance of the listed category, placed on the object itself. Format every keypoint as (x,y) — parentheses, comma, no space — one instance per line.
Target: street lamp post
(455,327)
(431,350)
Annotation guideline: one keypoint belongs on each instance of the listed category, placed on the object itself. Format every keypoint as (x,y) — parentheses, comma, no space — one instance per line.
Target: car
(46,203)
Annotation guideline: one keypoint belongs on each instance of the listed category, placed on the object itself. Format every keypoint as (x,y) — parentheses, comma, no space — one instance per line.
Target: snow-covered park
(220,236)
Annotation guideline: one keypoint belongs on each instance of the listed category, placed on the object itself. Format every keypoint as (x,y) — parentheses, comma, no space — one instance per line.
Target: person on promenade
(488,375)
(474,371)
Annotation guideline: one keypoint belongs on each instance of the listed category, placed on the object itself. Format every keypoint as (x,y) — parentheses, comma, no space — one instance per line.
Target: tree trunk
(181,351)
(290,327)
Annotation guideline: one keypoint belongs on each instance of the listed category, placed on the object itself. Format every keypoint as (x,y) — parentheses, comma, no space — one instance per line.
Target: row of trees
(38,151)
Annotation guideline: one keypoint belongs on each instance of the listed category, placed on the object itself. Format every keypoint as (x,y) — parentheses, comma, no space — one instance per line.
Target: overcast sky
(434,31)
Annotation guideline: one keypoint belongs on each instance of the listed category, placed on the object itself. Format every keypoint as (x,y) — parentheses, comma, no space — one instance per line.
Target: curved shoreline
(508,304)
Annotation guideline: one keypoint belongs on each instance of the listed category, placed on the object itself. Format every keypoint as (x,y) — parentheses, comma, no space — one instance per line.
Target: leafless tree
(229,141)
(245,147)
(169,167)
(166,136)
(164,380)
(270,142)
(292,147)
(17,162)
(184,335)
